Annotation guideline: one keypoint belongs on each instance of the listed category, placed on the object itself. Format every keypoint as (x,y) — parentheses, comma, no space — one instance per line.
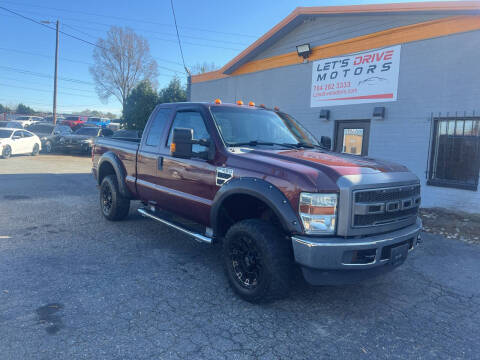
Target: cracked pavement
(75,286)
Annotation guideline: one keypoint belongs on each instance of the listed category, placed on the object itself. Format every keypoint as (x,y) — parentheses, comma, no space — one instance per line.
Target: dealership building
(390,81)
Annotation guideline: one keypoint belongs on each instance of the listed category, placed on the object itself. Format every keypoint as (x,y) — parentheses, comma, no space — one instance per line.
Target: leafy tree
(4,108)
(121,61)
(24,109)
(174,92)
(139,105)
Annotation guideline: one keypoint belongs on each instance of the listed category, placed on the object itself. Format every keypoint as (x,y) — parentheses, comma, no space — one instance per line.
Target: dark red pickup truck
(275,198)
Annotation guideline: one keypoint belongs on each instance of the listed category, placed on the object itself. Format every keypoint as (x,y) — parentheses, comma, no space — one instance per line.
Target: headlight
(87,141)
(318,212)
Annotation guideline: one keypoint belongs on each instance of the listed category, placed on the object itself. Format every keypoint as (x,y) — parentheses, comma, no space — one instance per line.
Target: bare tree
(121,60)
(200,68)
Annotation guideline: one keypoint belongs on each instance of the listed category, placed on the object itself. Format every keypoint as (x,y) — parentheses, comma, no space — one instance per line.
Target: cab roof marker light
(262,106)
(251,103)
(239,102)
(218,101)
(276,108)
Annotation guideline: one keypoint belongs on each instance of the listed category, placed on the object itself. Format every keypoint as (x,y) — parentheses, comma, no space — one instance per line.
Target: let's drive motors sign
(356,79)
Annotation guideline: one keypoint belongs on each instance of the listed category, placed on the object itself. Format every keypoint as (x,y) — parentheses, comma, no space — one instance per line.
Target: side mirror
(182,142)
(326,142)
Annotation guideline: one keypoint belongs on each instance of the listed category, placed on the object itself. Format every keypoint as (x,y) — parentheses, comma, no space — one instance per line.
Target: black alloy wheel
(113,205)
(246,261)
(36,150)
(258,260)
(48,147)
(107,200)
(7,152)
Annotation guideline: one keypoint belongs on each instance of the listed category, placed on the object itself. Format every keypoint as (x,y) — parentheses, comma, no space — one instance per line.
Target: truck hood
(331,164)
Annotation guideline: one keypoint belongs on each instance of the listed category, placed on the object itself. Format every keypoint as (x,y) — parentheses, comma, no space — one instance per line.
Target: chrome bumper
(338,253)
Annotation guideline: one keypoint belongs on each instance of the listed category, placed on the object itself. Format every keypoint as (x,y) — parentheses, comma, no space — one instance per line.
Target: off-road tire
(113,205)
(36,150)
(6,152)
(274,256)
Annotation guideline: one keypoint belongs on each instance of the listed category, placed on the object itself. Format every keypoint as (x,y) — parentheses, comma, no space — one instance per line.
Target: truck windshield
(240,126)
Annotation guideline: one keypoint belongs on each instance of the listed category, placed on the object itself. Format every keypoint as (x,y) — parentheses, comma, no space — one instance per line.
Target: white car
(28,120)
(16,141)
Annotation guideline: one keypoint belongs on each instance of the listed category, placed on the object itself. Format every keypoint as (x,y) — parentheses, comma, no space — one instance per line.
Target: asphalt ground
(75,286)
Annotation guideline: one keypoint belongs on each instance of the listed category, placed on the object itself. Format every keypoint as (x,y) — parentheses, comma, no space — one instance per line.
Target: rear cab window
(157,126)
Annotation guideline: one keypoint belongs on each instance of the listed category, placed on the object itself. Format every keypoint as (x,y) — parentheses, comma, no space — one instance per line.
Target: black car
(82,139)
(127,134)
(49,134)
(11,124)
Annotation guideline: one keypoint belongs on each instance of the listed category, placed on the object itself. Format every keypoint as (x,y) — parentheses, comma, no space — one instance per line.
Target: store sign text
(355,79)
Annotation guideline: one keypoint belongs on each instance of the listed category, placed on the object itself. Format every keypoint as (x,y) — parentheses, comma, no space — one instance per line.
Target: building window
(455,155)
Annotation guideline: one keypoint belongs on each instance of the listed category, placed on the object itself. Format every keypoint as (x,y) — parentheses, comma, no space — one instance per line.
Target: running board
(195,235)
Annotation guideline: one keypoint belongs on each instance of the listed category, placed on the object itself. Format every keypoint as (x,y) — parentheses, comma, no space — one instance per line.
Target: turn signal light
(218,101)
(239,102)
(173,147)
(251,103)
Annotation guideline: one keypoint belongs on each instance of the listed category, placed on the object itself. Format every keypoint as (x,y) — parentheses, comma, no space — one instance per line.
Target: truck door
(188,184)
(149,159)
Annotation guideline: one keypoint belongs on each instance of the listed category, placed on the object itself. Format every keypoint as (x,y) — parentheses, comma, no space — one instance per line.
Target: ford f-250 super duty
(257,182)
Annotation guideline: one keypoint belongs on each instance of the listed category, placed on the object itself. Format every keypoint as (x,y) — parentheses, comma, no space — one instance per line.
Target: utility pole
(55,76)
(55,82)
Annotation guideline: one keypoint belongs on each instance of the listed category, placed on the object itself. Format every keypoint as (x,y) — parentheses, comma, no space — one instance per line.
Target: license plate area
(398,254)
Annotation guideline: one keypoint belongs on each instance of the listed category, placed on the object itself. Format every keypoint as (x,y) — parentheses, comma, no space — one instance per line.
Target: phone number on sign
(331,86)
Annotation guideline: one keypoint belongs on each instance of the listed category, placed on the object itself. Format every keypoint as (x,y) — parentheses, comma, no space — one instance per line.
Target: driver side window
(190,120)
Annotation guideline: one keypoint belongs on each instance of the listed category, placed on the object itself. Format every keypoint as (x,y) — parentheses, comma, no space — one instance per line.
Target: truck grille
(374,207)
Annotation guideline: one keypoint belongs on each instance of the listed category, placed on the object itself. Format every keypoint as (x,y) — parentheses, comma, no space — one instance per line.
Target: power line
(49,27)
(157,38)
(178,37)
(41,84)
(128,19)
(28,72)
(43,55)
(48,91)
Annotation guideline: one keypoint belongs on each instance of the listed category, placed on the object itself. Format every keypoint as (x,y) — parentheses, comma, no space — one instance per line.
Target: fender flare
(262,190)
(114,161)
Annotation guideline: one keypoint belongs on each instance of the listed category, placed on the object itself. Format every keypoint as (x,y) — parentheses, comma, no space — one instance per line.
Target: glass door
(352,136)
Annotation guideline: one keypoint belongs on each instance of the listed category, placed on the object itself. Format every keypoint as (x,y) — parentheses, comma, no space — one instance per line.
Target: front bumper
(341,260)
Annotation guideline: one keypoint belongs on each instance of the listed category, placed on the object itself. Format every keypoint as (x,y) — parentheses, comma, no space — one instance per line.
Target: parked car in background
(27,120)
(16,141)
(82,139)
(74,121)
(50,119)
(127,134)
(115,124)
(11,124)
(49,134)
(97,121)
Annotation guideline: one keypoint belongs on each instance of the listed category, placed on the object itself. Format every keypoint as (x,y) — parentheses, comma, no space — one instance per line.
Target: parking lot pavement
(73,285)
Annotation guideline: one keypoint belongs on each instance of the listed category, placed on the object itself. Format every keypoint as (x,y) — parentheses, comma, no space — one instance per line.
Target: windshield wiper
(267,143)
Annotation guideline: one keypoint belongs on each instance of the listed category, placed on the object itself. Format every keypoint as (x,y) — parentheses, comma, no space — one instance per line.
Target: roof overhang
(300,14)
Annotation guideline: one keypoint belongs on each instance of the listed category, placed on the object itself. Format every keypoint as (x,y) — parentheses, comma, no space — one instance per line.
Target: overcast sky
(211,31)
